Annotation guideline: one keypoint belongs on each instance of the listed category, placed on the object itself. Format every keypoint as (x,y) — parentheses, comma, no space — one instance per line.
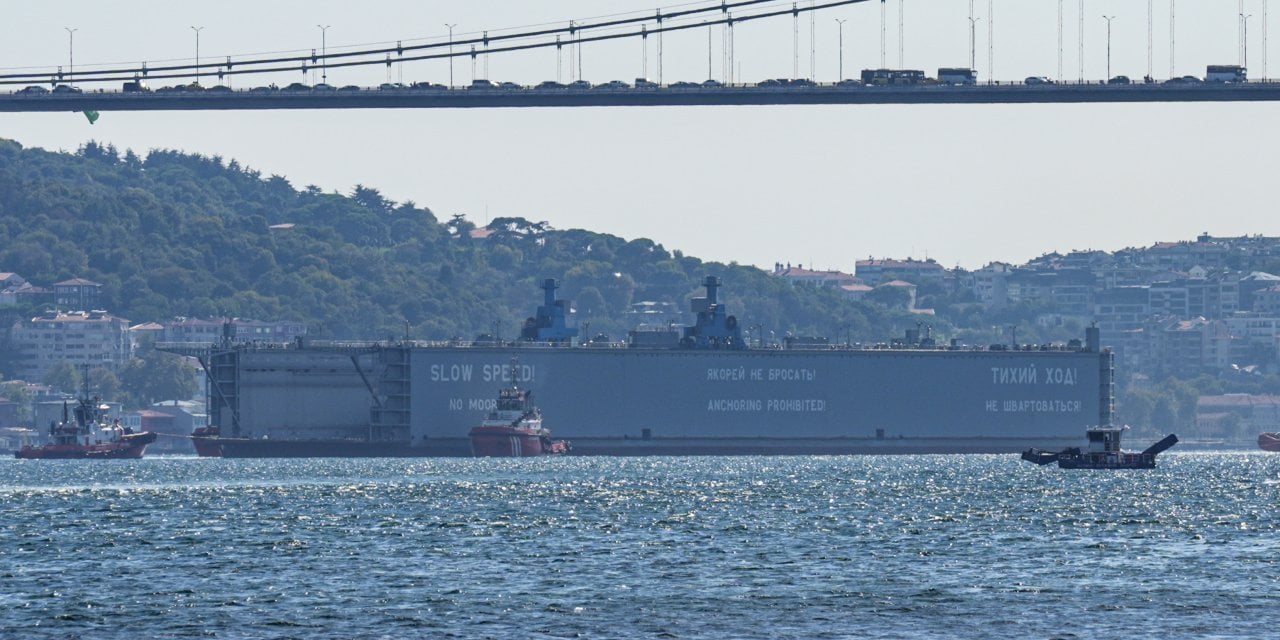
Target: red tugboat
(1269,441)
(514,428)
(1103,452)
(205,440)
(89,437)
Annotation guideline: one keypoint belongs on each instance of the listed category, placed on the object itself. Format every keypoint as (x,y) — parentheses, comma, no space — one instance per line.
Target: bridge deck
(456,98)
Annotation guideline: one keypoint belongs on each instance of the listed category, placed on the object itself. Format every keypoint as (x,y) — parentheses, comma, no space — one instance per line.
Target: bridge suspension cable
(377,56)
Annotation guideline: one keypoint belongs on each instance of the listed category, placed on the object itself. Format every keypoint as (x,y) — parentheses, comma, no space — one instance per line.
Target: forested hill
(173,234)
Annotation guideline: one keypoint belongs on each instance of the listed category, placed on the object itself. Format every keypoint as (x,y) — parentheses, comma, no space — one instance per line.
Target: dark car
(550,85)
(323,87)
(350,88)
(297,86)
(66,88)
(36,90)
(1120,80)
(510,86)
(390,86)
(219,88)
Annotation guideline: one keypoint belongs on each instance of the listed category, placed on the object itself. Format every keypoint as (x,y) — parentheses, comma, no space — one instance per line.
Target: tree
(158,376)
(104,383)
(63,377)
(891,297)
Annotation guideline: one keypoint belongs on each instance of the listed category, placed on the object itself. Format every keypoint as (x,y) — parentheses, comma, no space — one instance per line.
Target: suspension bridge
(262,81)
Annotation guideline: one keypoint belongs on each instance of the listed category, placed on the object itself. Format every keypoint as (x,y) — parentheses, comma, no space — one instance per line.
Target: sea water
(743,547)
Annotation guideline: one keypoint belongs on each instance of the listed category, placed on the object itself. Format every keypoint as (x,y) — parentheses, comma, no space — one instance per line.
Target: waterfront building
(95,338)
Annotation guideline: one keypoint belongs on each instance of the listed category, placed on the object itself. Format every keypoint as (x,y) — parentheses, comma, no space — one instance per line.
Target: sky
(819,186)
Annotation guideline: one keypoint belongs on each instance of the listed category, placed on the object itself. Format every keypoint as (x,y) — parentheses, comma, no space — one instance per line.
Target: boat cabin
(513,399)
(1104,439)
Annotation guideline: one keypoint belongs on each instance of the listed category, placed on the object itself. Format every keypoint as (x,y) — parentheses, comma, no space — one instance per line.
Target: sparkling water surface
(757,547)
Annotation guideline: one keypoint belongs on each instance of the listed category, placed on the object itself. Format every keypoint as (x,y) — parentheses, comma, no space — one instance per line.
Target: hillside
(173,234)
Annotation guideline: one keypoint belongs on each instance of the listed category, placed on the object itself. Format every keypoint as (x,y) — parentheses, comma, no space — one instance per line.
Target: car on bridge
(613,84)
(550,85)
(66,88)
(323,87)
(391,86)
(351,88)
(33,90)
(1120,80)
(482,85)
(297,86)
(579,84)
(427,86)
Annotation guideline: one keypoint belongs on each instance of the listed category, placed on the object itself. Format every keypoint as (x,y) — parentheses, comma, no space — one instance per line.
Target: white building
(95,338)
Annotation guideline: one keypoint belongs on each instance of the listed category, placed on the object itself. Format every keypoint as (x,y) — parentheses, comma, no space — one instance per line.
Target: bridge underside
(526,98)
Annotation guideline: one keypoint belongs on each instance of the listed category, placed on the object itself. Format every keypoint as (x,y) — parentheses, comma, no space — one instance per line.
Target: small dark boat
(1102,452)
(1269,441)
(89,436)
(514,428)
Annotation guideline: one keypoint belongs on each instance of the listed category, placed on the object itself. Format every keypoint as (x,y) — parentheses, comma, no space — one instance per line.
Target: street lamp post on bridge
(1244,43)
(196,80)
(71,55)
(1108,19)
(841,23)
(973,41)
(324,52)
(450,28)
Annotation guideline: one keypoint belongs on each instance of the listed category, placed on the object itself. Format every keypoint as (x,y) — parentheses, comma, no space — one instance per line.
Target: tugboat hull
(130,447)
(508,442)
